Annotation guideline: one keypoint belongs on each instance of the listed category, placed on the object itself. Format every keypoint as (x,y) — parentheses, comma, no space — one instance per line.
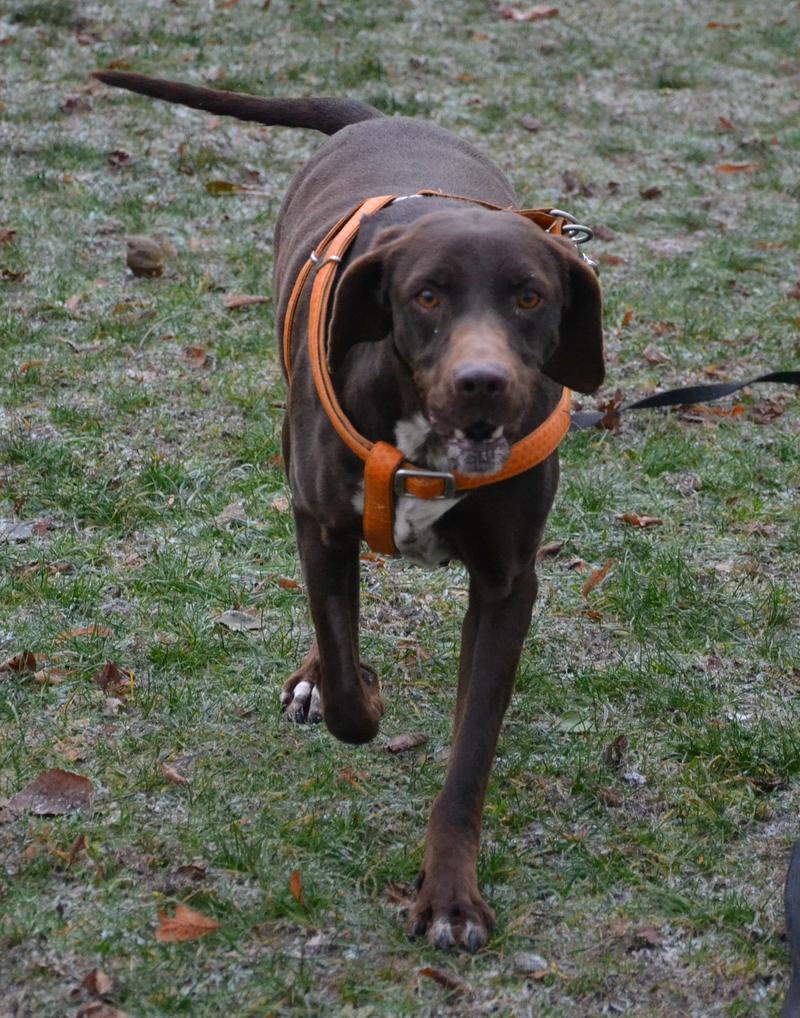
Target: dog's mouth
(481,448)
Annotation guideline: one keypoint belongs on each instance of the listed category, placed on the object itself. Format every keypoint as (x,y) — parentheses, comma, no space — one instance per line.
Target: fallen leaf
(240,621)
(197,356)
(596,577)
(575,723)
(724,24)
(115,681)
(73,303)
(7,236)
(611,419)
(446,979)
(725,124)
(77,846)
(296,887)
(186,924)
(654,356)
(97,983)
(233,513)
(410,740)
(647,936)
(226,187)
(173,776)
(234,301)
(25,661)
(118,159)
(54,792)
(92,630)
(736,167)
(13,276)
(614,752)
(549,549)
(49,676)
(767,411)
(531,124)
(577,565)
(640,521)
(649,193)
(145,257)
(99,1009)
(537,13)
(399,894)
(286,584)
(281,504)
(609,796)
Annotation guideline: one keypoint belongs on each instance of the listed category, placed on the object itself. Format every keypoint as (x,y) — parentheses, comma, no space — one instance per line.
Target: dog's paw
(451,914)
(300,699)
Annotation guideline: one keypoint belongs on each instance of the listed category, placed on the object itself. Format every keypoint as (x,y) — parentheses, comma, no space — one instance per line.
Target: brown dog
(453,330)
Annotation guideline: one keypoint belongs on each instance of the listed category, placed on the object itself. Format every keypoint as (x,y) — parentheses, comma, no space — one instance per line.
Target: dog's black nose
(475,379)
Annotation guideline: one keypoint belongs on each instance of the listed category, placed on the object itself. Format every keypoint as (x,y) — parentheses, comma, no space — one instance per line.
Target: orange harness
(387,475)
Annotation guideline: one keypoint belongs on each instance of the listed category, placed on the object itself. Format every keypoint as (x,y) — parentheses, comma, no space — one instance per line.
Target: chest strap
(387,474)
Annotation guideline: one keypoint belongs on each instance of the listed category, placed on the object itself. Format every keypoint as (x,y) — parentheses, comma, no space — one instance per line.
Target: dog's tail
(320,114)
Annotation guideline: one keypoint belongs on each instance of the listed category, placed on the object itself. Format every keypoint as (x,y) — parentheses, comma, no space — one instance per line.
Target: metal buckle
(441,475)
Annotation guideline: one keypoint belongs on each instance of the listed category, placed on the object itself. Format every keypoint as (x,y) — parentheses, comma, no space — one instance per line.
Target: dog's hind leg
(347,695)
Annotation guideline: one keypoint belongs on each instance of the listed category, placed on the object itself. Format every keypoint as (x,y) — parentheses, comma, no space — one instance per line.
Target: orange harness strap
(386,472)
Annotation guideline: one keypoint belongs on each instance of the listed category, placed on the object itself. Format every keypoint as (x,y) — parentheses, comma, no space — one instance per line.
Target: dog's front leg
(449,907)
(349,698)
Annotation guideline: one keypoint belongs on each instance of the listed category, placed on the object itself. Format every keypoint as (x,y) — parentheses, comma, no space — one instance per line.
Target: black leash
(791,1008)
(681,397)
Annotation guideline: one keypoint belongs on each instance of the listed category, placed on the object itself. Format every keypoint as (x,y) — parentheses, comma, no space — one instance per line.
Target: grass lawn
(644,798)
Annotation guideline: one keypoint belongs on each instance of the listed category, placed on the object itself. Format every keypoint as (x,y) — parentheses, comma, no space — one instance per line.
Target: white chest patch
(414,517)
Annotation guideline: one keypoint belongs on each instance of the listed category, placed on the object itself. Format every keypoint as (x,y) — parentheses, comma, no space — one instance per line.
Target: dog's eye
(527,300)
(427,299)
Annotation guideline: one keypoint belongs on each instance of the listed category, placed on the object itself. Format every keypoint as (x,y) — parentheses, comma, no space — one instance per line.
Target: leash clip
(434,475)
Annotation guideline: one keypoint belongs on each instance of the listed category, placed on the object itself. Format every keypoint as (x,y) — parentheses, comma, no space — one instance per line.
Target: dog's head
(478,304)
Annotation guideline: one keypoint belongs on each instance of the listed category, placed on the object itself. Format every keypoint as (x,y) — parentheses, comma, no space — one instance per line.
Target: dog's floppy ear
(361,311)
(578,360)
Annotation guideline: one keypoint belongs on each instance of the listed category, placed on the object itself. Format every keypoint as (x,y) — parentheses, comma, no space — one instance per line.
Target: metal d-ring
(319,262)
(577,233)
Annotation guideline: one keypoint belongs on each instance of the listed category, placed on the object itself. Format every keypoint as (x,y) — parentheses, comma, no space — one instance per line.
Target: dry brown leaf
(93,630)
(614,752)
(234,301)
(647,936)
(197,356)
(577,565)
(280,504)
(186,924)
(650,193)
(286,584)
(145,256)
(227,187)
(115,681)
(726,125)
(537,13)
(736,167)
(549,549)
(653,355)
(611,419)
(724,24)
(410,740)
(7,236)
(233,513)
(240,621)
(596,577)
(97,983)
(99,1009)
(54,792)
(13,276)
(531,124)
(399,894)
(25,661)
(447,979)
(635,520)
(767,411)
(296,887)
(118,159)
(172,776)
(77,846)
(609,796)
